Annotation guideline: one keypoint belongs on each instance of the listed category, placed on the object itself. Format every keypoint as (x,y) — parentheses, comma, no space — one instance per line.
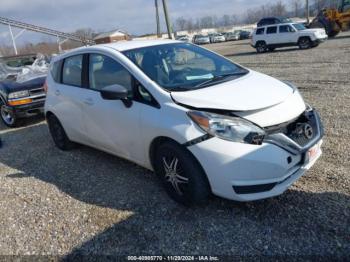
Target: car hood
(251,92)
(313,30)
(12,86)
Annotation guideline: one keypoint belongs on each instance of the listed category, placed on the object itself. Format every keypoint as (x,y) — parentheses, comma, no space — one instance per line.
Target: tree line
(295,8)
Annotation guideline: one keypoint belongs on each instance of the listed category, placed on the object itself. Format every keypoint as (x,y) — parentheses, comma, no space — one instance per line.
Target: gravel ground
(89,202)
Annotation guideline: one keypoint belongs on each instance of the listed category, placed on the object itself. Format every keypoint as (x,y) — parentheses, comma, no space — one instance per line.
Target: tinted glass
(55,70)
(105,71)
(260,31)
(180,66)
(72,70)
(299,27)
(271,30)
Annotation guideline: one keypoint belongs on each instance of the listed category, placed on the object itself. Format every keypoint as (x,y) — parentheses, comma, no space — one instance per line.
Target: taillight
(45,86)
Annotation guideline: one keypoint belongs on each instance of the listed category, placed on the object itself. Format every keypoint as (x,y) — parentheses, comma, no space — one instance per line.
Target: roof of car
(134,44)
(279,24)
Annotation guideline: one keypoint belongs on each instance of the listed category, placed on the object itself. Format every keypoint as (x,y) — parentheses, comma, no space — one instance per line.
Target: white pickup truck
(270,37)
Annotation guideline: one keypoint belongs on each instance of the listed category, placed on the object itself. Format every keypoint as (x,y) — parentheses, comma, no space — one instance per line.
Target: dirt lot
(89,202)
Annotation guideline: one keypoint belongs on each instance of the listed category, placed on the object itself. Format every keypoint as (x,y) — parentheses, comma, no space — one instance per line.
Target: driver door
(110,124)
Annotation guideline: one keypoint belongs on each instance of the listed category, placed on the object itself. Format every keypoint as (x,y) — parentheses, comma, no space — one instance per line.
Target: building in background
(112,36)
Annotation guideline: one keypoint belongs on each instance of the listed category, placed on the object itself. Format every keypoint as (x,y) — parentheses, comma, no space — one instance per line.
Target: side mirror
(116,92)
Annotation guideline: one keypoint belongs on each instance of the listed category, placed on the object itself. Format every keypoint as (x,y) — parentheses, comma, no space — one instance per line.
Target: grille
(37,91)
(301,130)
(37,94)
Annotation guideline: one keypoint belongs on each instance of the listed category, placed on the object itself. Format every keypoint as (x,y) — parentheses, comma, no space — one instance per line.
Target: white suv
(268,38)
(203,123)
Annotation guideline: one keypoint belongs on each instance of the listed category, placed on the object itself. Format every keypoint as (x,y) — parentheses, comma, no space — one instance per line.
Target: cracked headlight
(229,128)
(18,94)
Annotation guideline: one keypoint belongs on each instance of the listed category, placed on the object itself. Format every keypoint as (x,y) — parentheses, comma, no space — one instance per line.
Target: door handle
(88,101)
(57,92)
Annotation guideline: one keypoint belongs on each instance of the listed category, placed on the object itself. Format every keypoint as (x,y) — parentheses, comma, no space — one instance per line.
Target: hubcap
(7,115)
(172,174)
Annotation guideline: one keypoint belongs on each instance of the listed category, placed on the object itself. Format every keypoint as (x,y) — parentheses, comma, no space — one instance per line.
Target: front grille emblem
(308,131)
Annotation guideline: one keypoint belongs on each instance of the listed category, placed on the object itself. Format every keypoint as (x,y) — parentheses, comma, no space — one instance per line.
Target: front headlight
(229,128)
(18,94)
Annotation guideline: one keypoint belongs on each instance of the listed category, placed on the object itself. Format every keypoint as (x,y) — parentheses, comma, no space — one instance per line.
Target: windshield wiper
(219,77)
(177,88)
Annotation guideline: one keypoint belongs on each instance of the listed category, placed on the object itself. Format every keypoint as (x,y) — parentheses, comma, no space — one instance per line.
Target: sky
(133,16)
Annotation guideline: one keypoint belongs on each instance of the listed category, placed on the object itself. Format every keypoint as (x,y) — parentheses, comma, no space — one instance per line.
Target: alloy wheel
(174,174)
(304,43)
(261,48)
(7,115)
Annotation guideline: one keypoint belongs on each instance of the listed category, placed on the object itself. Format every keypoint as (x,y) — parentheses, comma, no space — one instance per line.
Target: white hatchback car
(203,123)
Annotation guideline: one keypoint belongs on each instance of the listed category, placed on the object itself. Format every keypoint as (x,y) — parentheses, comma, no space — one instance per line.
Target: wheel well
(155,144)
(304,37)
(160,140)
(48,114)
(260,41)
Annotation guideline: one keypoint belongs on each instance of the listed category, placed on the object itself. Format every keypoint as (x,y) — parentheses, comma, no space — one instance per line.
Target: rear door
(272,35)
(68,93)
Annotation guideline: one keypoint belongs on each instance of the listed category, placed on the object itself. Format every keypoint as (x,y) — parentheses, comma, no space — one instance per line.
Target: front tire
(304,43)
(7,116)
(58,134)
(181,175)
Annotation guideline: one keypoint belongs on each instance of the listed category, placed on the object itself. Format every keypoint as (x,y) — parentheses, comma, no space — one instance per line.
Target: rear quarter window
(55,70)
(260,31)
(72,69)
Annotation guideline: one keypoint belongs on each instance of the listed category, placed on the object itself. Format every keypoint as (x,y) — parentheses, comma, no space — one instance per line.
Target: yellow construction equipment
(333,20)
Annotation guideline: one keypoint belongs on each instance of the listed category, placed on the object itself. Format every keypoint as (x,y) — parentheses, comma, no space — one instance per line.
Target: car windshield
(286,20)
(299,27)
(183,67)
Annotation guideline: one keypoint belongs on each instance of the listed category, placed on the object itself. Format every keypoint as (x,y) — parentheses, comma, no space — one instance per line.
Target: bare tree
(297,6)
(180,23)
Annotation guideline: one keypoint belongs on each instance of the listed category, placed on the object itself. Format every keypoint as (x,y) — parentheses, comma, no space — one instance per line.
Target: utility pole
(307,12)
(167,20)
(157,18)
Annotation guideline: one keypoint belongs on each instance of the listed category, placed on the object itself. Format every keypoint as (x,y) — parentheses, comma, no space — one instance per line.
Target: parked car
(231,36)
(217,38)
(22,87)
(201,39)
(268,38)
(183,38)
(244,35)
(274,20)
(20,100)
(206,126)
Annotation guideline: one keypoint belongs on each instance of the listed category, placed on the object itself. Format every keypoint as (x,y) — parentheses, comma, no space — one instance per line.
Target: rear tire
(261,47)
(304,43)
(181,175)
(58,134)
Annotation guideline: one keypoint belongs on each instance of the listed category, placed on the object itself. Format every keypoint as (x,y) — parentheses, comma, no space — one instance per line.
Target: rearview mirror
(114,92)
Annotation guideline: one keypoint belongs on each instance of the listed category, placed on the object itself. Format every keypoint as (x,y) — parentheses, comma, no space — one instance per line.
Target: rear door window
(72,68)
(271,30)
